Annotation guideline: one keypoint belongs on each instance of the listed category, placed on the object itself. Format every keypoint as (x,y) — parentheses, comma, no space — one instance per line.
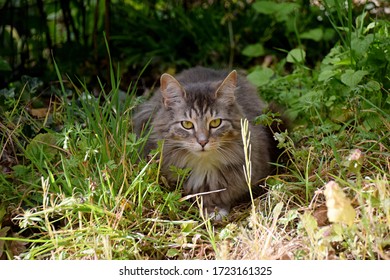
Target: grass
(86,193)
(75,185)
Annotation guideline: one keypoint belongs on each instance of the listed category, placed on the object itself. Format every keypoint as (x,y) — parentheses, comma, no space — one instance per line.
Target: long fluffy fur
(200,94)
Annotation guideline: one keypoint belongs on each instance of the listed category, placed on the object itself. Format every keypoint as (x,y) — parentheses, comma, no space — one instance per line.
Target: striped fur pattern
(198,115)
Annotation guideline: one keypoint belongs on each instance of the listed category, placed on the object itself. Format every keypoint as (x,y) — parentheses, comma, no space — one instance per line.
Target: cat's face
(204,119)
(201,132)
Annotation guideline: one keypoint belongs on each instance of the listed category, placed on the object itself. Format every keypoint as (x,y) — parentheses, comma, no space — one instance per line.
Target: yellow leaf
(339,206)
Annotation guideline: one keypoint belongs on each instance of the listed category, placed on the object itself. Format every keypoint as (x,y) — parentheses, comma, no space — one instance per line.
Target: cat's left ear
(171,90)
(226,90)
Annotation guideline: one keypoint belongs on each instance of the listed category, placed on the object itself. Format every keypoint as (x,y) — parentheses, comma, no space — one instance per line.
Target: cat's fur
(214,155)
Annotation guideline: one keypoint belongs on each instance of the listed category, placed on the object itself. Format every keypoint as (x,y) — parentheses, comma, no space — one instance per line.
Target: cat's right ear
(226,90)
(171,90)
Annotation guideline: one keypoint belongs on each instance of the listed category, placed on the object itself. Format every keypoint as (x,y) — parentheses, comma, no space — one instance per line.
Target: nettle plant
(351,83)
(358,75)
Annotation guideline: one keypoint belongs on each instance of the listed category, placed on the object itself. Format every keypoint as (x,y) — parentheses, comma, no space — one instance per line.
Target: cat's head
(200,117)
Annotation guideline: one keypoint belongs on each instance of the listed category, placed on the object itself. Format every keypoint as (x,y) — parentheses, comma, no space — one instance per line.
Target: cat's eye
(187,124)
(215,123)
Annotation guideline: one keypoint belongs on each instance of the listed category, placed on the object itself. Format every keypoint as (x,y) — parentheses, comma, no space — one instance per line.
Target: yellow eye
(187,124)
(215,123)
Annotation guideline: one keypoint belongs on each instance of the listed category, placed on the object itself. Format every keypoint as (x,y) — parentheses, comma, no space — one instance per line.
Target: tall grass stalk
(246,135)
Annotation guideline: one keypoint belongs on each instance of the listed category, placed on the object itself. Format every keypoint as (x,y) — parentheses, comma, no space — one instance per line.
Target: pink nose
(203,142)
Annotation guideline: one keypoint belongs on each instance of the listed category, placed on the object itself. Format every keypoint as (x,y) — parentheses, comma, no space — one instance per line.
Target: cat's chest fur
(205,172)
(208,170)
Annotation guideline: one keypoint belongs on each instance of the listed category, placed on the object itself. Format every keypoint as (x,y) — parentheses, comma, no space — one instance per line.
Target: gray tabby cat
(198,116)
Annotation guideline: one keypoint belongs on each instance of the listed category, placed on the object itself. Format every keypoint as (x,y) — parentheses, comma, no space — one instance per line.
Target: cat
(198,115)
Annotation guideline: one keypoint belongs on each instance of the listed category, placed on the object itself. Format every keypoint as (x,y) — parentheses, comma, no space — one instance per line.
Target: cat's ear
(171,90)
(226,90)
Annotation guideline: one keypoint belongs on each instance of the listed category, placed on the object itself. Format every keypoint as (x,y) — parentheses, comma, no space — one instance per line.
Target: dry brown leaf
(320,214)
(39,113)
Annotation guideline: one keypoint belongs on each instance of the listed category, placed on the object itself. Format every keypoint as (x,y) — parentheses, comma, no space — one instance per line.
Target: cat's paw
(216,213)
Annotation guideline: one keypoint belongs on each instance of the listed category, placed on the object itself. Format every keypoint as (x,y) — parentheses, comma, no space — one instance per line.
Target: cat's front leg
(213,207)
(210,202)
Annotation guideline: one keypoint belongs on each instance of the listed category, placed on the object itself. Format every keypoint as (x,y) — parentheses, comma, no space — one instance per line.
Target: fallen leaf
(39,113)
(339,206)
(320,214)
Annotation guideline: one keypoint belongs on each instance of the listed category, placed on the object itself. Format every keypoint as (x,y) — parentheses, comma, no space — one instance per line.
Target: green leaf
(326,75)
(352,78)
(279,10)
(266,7)
(372,122)
(4,66)
(309,223)
(339,114)
(261,76)
(373,86)
(172,253)
(187,227)
(254,50)
(296,56)
(285,9)
(360,45)
(41,148)
(21,171)
(315,34)
(228,232)
(7,93)
(370,26)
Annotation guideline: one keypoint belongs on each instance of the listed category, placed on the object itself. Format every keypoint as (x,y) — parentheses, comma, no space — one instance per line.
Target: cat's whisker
(229,157)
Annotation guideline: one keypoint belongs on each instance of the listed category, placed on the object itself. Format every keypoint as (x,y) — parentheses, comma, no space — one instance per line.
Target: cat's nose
(203,142)
(202,137)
